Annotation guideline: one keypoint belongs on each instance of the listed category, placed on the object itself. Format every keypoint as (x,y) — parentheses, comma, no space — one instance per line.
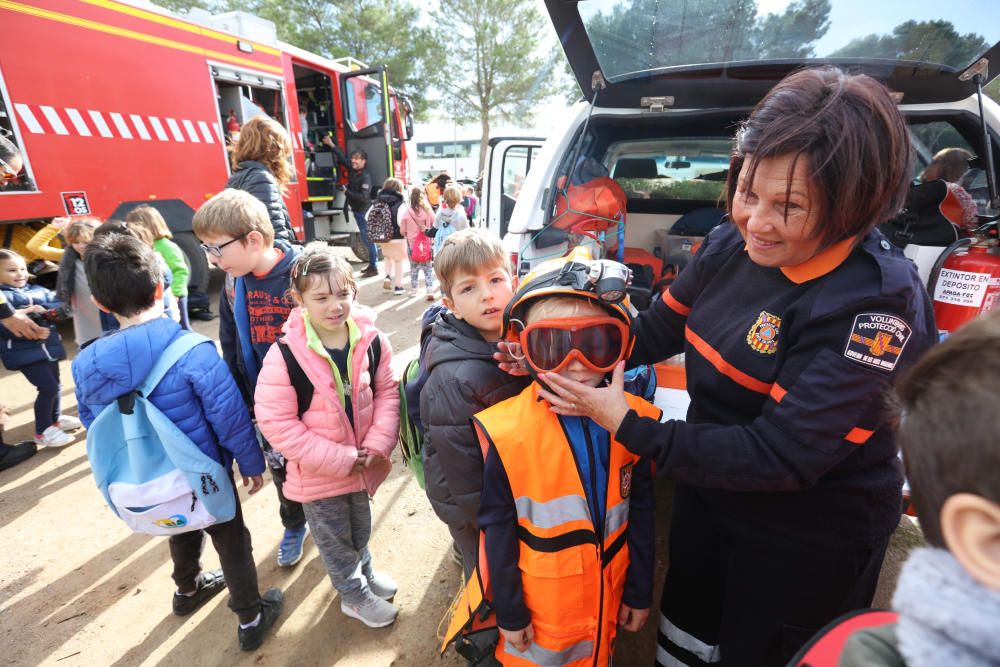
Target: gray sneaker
(372,611)
(381,584)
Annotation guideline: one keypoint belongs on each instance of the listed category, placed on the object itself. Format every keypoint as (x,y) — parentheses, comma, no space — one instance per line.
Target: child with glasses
(236,233)
(566,511)
(338,445)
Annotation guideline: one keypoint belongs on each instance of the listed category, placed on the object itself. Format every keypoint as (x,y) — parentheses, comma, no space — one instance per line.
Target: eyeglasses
(216,250)
(597,342)
(8,173)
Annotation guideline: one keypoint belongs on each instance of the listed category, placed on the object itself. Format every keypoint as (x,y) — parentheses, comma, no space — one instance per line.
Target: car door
(508,161)
(365,101)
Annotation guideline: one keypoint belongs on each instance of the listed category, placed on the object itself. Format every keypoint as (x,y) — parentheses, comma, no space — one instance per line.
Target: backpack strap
(374,358)
(304,389)
(181,346)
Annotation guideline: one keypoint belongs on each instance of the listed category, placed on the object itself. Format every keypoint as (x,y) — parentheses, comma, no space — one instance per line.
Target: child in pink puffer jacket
(338,450)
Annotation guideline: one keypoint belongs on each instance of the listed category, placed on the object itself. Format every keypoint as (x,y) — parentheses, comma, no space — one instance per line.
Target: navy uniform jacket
(788,369)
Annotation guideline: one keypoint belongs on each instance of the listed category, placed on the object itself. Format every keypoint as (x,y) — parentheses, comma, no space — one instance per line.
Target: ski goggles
(598,343)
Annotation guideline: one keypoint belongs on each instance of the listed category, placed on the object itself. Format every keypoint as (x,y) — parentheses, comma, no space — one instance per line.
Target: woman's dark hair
(853,137)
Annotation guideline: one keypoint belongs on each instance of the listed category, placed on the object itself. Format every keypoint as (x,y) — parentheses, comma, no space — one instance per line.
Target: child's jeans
(45,376)
(340,528)
(428,269)
(232,541)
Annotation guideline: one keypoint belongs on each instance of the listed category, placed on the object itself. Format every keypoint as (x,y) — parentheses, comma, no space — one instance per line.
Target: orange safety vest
(572,577)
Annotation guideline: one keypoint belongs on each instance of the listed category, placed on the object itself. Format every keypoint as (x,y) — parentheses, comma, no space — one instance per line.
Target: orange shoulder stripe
(674,304)
(858,436)
(723,366)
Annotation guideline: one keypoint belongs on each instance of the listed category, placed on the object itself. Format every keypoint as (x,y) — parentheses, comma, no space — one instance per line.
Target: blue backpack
(151,474)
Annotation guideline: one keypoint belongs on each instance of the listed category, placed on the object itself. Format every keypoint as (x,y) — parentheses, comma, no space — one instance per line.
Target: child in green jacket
(149,218)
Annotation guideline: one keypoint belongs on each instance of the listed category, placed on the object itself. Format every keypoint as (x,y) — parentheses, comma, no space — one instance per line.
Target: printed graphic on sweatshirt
(268,313)
(877,340)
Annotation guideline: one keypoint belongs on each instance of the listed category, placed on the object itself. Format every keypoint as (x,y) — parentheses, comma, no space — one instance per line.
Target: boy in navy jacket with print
(200,397)
(236,232)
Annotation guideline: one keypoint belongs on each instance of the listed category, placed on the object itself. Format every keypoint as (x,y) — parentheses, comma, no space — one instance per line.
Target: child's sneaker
(372,611)
(381,585)
(270,609)
(430,295)
(209,584)
(387,283)
(69,423)
(290,549)
(398,291)
(54,436)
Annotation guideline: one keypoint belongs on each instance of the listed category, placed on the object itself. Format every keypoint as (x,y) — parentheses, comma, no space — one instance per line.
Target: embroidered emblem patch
(625,479)
(877,340)
(763,335)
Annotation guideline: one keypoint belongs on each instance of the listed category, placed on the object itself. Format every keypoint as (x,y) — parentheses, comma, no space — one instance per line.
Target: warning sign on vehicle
(961,288)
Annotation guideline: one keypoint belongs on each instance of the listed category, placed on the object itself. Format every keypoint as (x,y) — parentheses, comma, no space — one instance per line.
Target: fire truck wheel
(359,249)
(196,260)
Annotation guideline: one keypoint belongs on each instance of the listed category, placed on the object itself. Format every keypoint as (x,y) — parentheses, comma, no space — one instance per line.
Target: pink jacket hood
(322,446)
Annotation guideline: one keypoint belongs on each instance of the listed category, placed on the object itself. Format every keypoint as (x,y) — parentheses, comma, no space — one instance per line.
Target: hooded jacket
(447,222)
(322,446)
(463,378)
(198,394)
(394,200)
(17,352)
(254,177)
(251,314)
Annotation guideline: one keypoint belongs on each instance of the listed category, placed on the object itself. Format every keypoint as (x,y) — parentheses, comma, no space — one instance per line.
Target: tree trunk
(484,142)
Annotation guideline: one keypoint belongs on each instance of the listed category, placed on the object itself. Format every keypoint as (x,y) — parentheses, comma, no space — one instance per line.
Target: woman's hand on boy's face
(508,362)
(605,405)
(519,639)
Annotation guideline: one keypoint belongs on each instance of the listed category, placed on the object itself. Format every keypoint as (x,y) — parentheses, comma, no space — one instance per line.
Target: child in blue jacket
(38,360)
(200,396)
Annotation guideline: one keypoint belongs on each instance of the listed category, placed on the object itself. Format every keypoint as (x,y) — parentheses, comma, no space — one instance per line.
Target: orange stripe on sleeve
(723,366)
(858,436)
(778,392)
(675,305)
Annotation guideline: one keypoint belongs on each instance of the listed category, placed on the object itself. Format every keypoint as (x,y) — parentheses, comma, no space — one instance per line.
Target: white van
(665,84)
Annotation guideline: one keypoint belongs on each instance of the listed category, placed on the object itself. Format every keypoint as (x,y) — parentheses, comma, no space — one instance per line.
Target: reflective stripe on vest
(572,577)
(538,655)
(553,513)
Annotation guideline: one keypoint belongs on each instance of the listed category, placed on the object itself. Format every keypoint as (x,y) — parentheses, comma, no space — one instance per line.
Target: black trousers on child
(45,376)
(292,515)
(232,541)
(741,597)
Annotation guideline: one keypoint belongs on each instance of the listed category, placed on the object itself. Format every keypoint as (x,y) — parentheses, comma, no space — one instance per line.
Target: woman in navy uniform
(795,318)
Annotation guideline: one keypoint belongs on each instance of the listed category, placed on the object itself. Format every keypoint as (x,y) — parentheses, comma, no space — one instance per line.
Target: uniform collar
(822,263)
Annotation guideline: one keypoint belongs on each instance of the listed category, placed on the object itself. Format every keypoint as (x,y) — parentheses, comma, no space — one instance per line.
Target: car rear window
(693,168)
(634,36)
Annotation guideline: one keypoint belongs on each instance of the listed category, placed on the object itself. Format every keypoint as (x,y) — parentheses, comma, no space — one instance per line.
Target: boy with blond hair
(450,217)
(462,378)
(236,233)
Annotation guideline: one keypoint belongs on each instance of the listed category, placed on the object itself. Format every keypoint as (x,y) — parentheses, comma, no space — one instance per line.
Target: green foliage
(376,32)
(920,41)
(649,33)
(492,64)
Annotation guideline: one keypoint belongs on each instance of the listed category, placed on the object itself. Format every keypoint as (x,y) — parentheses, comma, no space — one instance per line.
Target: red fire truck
(116,104)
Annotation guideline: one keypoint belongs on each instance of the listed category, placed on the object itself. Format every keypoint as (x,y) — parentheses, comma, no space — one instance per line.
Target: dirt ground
(78,588)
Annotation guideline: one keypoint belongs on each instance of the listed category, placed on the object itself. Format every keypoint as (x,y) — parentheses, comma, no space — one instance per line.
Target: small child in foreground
(337,450)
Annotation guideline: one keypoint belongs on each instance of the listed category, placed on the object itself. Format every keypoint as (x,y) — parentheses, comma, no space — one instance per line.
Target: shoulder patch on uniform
(877,340)
(763,334)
